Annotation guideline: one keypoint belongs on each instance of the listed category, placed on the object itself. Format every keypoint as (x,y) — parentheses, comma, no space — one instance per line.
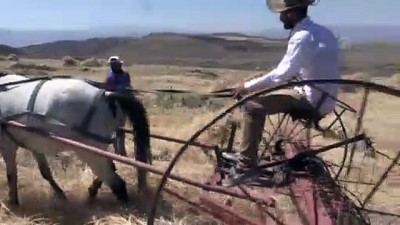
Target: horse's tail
(137,115)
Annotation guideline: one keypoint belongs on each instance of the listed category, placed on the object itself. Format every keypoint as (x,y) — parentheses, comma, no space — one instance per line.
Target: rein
(224,93)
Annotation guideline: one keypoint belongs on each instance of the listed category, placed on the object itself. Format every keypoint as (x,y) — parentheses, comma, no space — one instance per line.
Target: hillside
(6,50)
(219,50)
(169,48)
(356,33)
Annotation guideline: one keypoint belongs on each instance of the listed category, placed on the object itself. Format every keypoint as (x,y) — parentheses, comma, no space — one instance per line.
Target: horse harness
(82,128)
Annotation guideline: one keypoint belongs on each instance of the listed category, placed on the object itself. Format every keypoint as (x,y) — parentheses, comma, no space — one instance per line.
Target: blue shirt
(117,81)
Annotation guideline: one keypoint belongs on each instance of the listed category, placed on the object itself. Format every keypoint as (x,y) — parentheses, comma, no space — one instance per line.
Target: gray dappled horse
(75,109)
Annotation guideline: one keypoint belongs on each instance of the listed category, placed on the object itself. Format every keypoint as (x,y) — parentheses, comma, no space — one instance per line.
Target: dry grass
(39,207)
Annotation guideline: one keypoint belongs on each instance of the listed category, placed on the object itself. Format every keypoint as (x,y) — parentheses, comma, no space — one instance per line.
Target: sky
(202,15)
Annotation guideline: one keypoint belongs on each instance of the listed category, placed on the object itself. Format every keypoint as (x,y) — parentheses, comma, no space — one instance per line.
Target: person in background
(117,80)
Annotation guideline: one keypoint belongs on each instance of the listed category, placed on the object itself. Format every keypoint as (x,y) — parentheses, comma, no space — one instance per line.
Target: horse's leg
(119,147)
(94,188)
(8,150)
(46,174)
(105,171)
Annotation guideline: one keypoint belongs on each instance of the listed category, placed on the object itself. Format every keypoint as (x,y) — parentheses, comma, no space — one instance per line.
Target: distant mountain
(6,50)
(157,45)
(20,38)
(16,38)
(219,50)
(223,50)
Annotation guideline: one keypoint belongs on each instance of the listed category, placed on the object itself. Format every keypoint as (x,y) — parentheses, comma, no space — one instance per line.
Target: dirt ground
(178,116)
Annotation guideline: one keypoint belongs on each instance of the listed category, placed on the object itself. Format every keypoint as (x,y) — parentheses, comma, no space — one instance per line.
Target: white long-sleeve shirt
(313,52)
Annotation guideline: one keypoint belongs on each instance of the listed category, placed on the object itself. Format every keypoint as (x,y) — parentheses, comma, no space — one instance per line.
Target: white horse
(75,109)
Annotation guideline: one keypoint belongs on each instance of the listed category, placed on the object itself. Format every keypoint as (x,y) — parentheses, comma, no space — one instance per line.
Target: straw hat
(279,6)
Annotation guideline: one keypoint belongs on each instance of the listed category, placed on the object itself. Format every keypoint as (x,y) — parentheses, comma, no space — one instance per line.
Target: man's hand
(239,91)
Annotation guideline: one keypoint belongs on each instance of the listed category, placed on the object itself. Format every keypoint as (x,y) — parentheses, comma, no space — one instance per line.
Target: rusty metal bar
(156,136)
(127,160)
(216,210)
(306,197)
(180,197)
(228,215)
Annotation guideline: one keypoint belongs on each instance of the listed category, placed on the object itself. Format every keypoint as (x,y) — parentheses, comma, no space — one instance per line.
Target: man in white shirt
(312,53)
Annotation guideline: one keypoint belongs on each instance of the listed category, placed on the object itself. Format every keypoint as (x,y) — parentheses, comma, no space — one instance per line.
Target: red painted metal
(305,194)
(227,214)
(190,202)
(305,191)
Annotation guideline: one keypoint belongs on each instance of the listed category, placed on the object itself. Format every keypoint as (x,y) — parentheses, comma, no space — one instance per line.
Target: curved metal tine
(358,127)
(379,212)
(311,152)
(324,129)
(287,123)
(272,123)
(381,180)
(292,134)
(323,149)
(273,135)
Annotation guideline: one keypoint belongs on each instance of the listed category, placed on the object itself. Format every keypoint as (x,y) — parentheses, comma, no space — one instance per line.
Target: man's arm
(298,50)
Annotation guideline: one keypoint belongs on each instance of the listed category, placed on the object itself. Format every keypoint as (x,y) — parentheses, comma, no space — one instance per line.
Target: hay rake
(310,172)
(317,168)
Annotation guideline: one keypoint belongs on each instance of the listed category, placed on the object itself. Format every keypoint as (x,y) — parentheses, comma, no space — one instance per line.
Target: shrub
(91,62)
(29,66)
(12,57)
(69,61)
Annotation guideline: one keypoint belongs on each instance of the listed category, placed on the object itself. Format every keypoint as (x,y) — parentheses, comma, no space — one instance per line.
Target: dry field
(174,116)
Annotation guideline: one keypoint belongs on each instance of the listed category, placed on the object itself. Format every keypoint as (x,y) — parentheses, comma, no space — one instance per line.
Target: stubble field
(175,116)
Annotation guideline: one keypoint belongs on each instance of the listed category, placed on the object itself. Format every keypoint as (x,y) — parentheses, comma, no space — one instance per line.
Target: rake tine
(383,177)
(358,127)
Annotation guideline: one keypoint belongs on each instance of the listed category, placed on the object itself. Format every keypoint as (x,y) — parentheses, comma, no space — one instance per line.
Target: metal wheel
(333,164)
